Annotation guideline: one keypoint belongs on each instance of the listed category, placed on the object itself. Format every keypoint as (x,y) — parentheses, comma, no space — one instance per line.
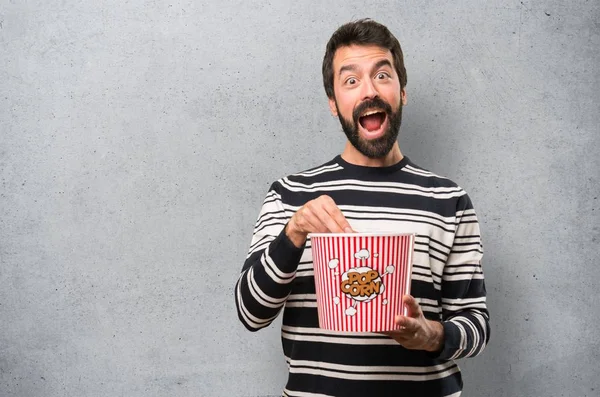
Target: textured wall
(137,140)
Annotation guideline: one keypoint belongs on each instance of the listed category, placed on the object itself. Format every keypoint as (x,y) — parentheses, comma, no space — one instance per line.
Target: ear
(403,96)
(332,107)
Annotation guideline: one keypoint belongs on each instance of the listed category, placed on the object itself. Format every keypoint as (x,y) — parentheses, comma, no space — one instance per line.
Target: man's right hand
(320,215)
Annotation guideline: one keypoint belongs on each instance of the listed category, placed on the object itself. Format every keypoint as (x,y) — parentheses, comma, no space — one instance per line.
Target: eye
(351,81)
(382,75)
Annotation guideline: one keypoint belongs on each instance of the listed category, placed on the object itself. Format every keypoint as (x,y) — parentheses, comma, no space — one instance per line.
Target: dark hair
(361,32)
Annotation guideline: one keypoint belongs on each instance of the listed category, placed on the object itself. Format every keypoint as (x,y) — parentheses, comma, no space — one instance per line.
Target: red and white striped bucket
(360,279)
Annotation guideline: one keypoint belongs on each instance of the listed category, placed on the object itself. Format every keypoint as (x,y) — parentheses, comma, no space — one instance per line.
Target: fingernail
(348,230)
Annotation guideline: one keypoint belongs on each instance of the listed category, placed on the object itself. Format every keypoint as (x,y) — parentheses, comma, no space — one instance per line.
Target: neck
(353,156)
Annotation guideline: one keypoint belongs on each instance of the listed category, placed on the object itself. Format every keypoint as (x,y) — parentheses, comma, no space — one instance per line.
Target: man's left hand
(416,332)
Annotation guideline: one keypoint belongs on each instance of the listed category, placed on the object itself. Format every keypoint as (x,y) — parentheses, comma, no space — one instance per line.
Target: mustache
(376,102)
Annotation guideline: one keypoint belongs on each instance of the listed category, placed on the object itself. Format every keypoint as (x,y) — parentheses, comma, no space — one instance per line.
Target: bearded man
(370,187)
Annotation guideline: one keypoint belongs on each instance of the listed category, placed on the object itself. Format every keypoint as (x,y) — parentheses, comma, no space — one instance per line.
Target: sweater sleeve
(464,310)
(270,266)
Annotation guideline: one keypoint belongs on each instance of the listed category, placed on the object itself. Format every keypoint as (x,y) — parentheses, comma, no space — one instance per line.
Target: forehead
(360,55)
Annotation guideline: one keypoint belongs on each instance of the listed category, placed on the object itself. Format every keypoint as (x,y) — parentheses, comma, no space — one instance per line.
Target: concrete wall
(137,140)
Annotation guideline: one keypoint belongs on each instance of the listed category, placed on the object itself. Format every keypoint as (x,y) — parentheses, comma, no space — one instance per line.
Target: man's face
(368,100)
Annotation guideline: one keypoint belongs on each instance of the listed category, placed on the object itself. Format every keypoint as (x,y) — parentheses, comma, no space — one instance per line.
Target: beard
(373,148)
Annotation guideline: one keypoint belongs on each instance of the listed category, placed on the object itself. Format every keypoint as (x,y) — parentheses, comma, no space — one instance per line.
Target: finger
(326,220)
(408,325)
(414,310)
(336,215)
(312,223)
(408,341)
(328,217)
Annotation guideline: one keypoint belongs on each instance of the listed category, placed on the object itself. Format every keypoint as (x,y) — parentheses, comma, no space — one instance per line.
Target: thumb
(414,310)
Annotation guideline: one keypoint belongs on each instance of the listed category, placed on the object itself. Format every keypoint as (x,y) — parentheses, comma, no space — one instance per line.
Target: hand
(417,333)
(320,215)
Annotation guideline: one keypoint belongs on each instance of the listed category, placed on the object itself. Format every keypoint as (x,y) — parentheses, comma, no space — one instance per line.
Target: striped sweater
(447,281)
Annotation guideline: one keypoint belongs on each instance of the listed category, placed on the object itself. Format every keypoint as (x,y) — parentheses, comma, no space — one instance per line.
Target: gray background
(139,138)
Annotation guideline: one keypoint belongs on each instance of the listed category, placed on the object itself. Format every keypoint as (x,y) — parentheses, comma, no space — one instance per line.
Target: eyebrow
(348,68)
(383,62)
(354,68)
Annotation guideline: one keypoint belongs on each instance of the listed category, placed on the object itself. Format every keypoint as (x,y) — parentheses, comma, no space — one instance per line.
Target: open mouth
(372,121)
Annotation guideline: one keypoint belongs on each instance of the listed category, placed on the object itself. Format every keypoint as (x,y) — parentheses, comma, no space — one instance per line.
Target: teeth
(369,112)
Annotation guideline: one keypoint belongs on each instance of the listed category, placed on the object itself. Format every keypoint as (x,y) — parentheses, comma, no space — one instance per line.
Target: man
(371,186)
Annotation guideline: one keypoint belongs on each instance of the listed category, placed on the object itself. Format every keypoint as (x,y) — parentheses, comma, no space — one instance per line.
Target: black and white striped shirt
(447,281)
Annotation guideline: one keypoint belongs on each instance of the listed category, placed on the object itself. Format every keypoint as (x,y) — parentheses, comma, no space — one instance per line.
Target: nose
(368,90)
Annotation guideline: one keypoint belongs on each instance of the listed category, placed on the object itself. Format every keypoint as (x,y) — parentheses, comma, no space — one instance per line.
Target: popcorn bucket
(360,279)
